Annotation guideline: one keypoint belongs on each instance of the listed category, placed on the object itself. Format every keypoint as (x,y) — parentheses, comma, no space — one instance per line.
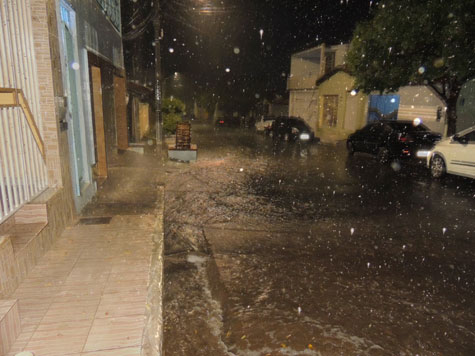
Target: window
(329,61)
(330,110)
(112,11)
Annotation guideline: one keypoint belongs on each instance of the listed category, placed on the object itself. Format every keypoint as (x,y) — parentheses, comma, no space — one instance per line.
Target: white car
(264,124)
(454,155)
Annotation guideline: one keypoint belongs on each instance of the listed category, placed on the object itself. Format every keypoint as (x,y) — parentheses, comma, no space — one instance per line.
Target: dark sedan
(291,129)
(394,140)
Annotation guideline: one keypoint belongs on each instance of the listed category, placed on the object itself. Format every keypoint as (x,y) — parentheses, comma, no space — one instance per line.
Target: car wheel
(383,155)
(437,167)
(350,147)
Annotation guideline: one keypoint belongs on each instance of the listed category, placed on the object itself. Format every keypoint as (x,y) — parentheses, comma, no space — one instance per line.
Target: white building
(311,68)
(305,68)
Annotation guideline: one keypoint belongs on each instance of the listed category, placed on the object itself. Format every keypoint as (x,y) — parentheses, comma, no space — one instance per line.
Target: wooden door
(121,113)
(99,131)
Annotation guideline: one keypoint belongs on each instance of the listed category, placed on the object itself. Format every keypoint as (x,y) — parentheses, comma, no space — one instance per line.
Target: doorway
(99,132)
(72,86)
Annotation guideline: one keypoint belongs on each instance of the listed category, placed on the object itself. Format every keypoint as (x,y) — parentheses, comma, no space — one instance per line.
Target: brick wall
(45,79)
(48,55)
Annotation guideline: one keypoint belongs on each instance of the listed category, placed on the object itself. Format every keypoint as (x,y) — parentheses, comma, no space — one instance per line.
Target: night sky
(203,38)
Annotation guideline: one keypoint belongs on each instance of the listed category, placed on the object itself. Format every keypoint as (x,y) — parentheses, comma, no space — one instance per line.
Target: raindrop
(438,62)
(257,96)
(444,230)
(352,230)
(241,169)
(75,65)
(228,70)
(421,70)
(368,265)
(171,50)
(237,50)
(299,310)
(396,166)
(261,33)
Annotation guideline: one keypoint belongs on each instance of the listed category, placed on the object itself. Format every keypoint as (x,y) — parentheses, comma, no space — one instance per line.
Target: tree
(429,42)
(172,110)
(206,100)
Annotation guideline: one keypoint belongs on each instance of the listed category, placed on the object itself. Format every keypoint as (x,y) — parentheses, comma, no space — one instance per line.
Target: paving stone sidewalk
(97,291)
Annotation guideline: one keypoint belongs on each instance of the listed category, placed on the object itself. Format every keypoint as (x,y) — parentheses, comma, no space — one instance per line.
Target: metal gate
(383,107)
(23,173)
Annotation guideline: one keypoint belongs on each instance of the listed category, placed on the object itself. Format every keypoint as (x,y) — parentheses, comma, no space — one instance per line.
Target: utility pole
(158,73)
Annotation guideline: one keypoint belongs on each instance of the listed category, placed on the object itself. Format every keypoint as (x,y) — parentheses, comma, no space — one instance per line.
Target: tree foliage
(207,100)
(173,110)
(429,42)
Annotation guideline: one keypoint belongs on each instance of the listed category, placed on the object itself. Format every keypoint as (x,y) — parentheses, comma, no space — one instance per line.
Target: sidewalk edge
(153,332)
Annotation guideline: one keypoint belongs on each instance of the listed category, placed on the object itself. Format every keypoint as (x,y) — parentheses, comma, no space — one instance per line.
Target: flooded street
(273,251)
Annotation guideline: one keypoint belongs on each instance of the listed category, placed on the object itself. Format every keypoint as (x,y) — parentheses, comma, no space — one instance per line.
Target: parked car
(291,129)
(391,139)
(228,121)
(455,155)
(264,124)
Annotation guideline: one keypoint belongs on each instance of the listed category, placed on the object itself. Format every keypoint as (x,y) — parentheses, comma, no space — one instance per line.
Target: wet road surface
(270,252)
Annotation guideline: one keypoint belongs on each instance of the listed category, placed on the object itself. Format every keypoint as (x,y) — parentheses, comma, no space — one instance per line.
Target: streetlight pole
(158,74)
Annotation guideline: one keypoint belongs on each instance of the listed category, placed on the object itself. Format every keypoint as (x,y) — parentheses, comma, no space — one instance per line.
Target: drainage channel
(194,302)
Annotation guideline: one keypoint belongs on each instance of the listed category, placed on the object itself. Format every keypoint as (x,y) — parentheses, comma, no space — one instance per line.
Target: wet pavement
(270,250)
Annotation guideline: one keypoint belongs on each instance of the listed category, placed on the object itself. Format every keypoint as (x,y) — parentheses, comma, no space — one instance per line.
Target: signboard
(111,9)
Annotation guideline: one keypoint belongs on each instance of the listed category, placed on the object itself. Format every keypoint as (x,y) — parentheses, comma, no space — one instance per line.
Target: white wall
(422,102)
(419,95)
(304,104)
(300,67)
(340,54)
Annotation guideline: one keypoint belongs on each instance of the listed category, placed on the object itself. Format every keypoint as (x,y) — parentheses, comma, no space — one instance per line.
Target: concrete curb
(153,333)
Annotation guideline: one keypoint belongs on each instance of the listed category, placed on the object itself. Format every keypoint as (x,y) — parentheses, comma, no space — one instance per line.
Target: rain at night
(237,177)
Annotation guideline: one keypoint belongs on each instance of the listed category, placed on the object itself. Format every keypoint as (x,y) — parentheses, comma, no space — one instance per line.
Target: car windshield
(300,125)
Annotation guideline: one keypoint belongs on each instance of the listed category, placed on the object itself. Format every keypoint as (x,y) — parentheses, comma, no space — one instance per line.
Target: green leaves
(420,42)
(173,109)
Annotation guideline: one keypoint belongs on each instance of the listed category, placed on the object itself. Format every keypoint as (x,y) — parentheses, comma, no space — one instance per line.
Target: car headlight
(422,153)
(304,136)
